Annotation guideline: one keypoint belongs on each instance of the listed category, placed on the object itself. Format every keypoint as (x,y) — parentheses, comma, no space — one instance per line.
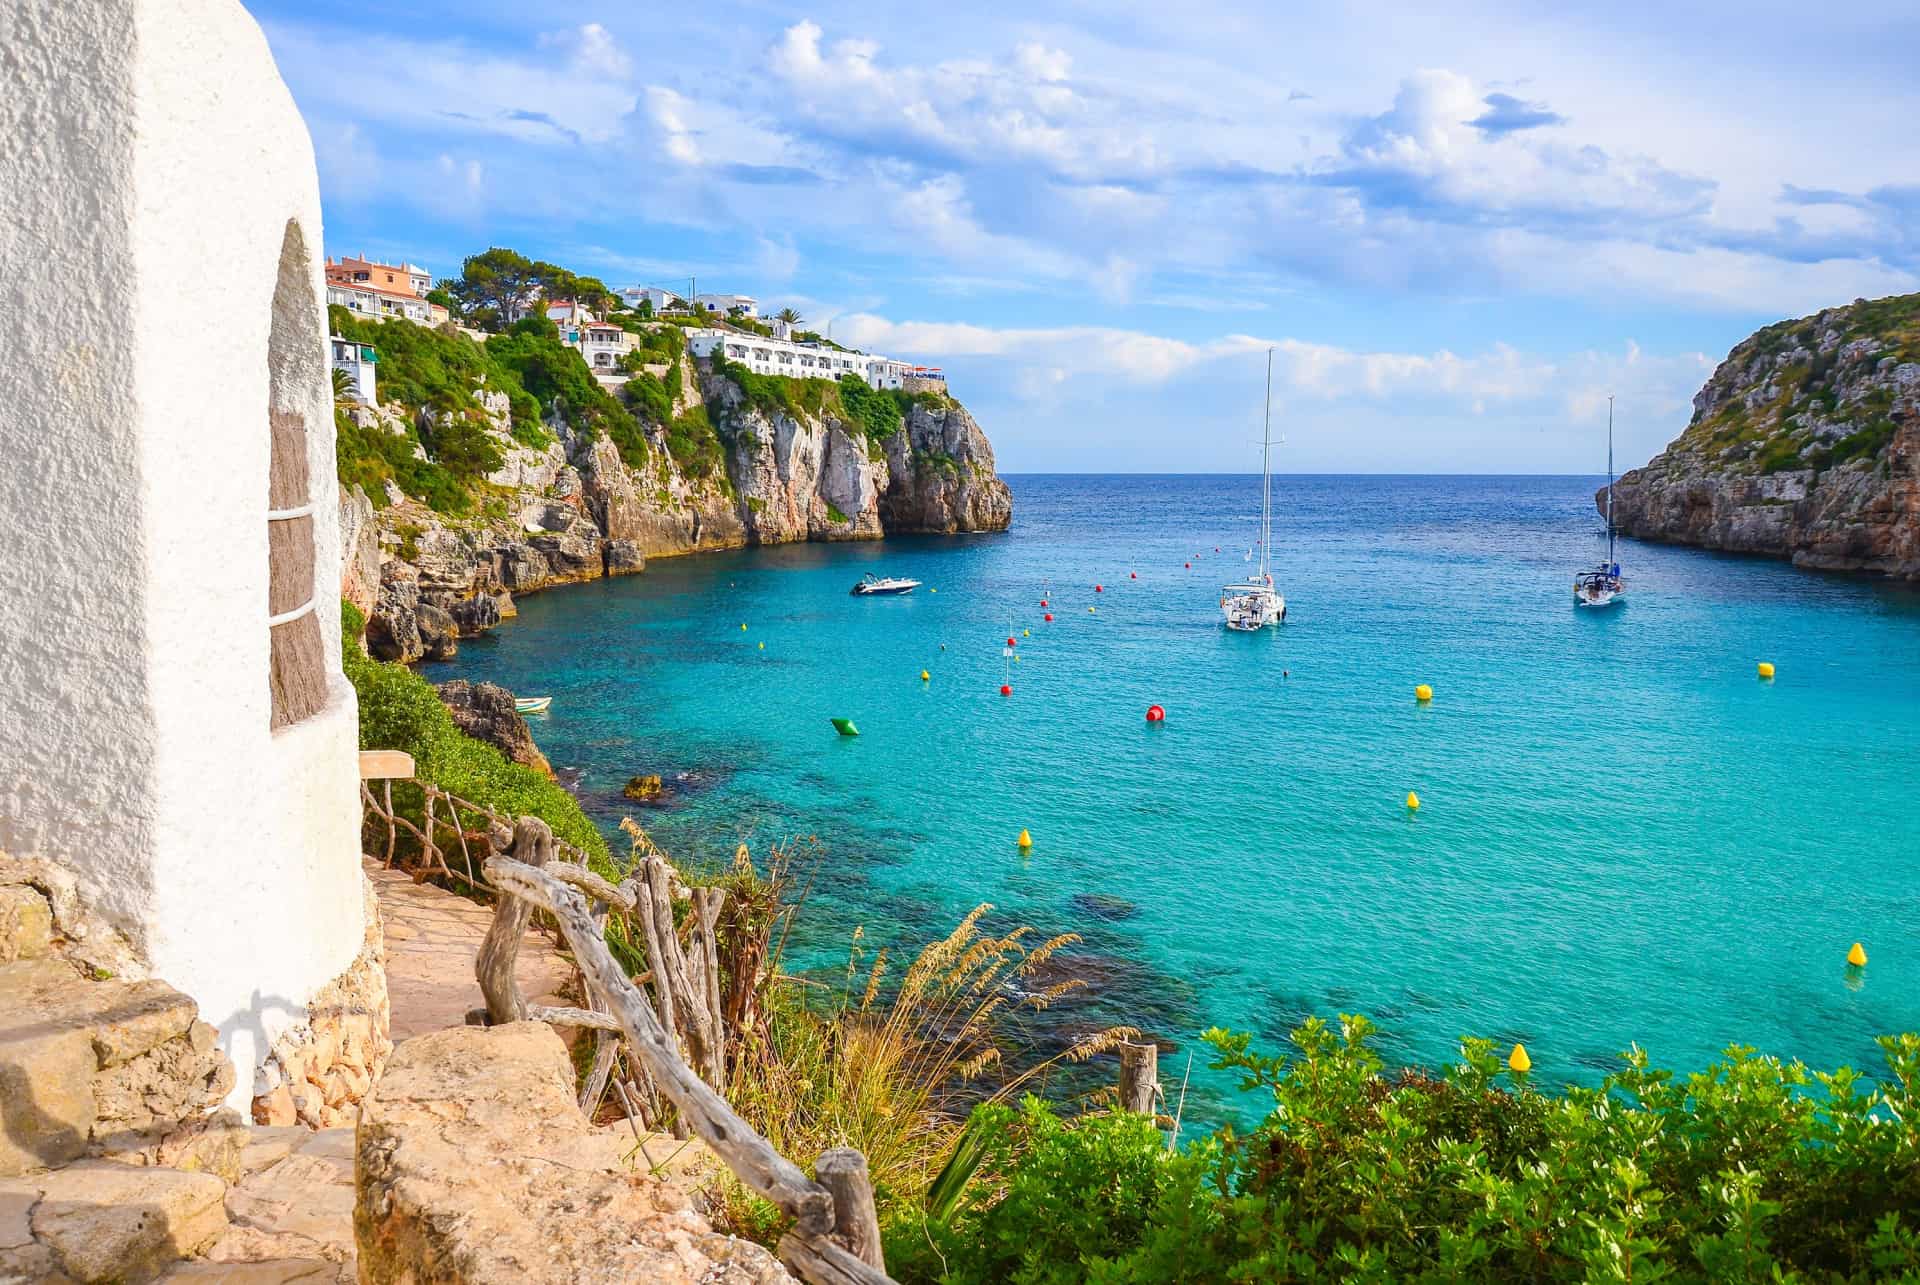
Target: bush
(552,374)
(399,710)
(1752,1170)
(370,457)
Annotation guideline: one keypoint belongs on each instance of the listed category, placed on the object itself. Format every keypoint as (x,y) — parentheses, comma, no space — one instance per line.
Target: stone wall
(320,1069)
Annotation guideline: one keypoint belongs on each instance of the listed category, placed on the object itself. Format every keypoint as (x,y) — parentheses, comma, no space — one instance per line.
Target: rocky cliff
(1804,444)
(574,510)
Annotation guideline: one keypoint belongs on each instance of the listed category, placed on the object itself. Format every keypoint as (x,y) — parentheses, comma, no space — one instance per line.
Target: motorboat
(874,586)
(531,704)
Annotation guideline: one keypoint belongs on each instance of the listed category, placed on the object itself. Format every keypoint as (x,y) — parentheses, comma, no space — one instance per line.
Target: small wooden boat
(531,704)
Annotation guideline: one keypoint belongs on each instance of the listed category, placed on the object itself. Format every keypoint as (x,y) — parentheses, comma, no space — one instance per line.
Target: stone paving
(432,937)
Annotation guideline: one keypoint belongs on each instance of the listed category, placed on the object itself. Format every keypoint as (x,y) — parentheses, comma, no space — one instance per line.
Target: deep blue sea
(1625,835)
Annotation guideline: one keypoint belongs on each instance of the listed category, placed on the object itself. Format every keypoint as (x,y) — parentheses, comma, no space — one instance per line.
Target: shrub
(1751,1170)
(399,710)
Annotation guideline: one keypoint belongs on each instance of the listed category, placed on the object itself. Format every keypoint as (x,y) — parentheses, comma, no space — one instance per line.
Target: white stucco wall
(146,147)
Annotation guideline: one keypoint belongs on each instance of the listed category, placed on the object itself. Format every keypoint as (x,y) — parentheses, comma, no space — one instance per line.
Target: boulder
(485,712)
(557,1204)
(439,635)
(26,923)
(100,1221)
(393,629)
(644,789)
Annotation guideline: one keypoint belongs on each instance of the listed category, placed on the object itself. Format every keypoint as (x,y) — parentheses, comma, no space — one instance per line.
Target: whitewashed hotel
(798,361)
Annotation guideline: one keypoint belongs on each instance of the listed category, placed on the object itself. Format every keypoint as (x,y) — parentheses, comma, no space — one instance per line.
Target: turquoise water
(1625,836)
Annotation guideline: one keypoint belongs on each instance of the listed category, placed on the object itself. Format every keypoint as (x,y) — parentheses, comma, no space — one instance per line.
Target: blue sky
(1461,226)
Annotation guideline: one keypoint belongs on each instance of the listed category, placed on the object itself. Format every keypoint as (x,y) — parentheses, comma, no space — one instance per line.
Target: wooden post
(856,1223)
(1139,1077)
(494,965)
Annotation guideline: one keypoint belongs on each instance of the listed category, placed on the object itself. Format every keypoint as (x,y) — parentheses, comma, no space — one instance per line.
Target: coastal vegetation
(1750,1170)
(399,710)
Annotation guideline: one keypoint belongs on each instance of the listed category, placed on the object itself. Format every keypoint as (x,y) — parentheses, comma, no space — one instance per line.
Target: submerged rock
(1103,907)
(645,789)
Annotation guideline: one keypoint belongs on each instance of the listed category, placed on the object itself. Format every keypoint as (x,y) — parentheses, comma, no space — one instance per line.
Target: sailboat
(1602,586)
(1254,604)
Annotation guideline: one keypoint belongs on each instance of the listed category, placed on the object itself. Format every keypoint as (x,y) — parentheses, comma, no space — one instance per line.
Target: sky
(1458,227)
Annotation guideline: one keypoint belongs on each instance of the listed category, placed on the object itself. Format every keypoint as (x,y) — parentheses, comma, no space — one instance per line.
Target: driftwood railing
(836,1235)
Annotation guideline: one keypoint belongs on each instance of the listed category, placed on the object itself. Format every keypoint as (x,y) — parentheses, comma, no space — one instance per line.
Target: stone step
(101,1221)
(26,924)
(97,1064)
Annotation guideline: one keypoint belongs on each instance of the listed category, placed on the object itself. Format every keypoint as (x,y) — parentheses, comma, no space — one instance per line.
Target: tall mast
(1609,479)
(1266,475)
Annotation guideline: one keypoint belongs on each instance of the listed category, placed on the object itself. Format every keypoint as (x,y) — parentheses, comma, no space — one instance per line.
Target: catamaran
(1254,604)
(1602,586)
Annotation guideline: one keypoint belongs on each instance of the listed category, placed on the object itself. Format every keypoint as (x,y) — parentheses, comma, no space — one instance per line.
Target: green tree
(494,283)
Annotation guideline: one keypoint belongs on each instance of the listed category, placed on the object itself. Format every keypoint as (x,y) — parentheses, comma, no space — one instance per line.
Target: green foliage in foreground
(399,710)
(1752,1170)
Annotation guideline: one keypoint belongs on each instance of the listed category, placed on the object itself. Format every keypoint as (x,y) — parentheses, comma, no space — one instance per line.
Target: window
(296,378)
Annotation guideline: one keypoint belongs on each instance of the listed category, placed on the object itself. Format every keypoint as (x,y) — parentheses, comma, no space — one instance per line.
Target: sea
(1625,835)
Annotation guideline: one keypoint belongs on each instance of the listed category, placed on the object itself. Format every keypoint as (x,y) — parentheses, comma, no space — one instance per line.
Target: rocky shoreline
(1805,444)
(574,511)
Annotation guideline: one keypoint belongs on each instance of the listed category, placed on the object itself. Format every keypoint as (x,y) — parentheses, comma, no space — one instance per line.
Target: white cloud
(591,50)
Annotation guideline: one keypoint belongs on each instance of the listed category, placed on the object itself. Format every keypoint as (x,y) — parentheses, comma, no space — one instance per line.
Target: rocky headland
(575,510)
(1805,444)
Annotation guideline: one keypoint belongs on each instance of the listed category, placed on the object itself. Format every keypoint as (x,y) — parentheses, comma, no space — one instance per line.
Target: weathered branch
(1139,1077)
(494,965)
(825,1263)
(561,1016)
(856,1223)
(750,1156)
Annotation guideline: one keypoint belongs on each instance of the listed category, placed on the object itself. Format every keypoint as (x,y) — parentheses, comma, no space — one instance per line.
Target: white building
(656,298)
(357,360)
(726,304)
(372,302)
(797,361)
(601,343)
(177,731)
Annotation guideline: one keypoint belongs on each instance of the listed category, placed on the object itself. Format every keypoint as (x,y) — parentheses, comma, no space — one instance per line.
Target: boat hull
(1249,613)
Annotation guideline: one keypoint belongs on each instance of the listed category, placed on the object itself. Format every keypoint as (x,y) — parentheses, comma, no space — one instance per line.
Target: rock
(553,1208)
(26,924)
(485,712)
(1805,443)
(210,1144)
(85,938)
(46,1066)
(474,616)
(393,629)
(1103,907)
(111,1222)
(360,550)
(645,789)
(623,558)
(438,633)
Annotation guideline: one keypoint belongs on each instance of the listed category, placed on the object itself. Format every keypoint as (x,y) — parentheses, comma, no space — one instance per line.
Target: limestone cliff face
(574,511)
(1805,444)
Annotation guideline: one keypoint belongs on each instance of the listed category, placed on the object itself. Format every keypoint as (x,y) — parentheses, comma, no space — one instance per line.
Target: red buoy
(1133,575)
(1099,589)
(1043,602)
(1189,566)
(1011,643)
(1006,689)
(1048,616)
(1155,714)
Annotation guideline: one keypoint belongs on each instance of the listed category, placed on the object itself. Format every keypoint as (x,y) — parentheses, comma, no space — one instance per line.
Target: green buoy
(845,727)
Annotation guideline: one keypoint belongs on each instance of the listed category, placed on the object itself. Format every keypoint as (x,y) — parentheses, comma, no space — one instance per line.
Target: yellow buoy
(1026,840)
(1026,633)
(1518,1059)
(1089,611)
(1857,956)
(1413,801)
(1766,669)
(1423,693)
(763,646)
(924,675)
(743,627)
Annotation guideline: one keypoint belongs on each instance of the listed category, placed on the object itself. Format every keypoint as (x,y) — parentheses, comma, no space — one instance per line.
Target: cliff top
(1810,393)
